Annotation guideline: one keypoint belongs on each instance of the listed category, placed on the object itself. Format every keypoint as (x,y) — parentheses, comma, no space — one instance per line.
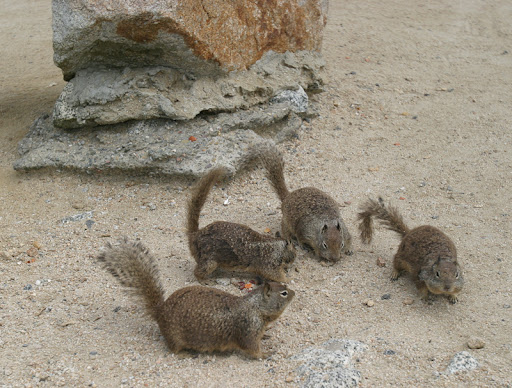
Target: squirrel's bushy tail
(134,267)
(272,160)
(389,217)
(198,196)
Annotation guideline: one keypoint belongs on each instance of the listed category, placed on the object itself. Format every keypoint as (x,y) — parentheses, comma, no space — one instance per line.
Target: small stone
(389,352)
(28,287)
(381,262)
(475,343)
(386,296)
(408,302)
(32,252)
(369,303)
(37,245)
(289,379)
(78,205)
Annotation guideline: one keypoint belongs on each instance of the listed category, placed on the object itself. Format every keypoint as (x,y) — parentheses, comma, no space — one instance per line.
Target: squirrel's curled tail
(389,217)
(199,195)
(197,201)
(272,160)
(135,269)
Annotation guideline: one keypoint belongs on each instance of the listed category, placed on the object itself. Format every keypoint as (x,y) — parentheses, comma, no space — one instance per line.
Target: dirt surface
(417,110)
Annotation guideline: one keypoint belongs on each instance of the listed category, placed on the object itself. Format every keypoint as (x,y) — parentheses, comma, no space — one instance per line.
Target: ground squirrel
(198,318)
(425,252)
(231,246)
(310,216)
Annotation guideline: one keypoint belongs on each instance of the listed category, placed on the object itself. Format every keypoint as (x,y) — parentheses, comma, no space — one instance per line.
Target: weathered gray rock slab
(98,96)
(200,37)
(330,365)
(163,147)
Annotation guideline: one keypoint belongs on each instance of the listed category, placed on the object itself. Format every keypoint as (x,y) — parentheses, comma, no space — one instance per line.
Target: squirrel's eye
(338,226)
(284,294)
(342,245)
(324,245)
(438,274)
(457,275)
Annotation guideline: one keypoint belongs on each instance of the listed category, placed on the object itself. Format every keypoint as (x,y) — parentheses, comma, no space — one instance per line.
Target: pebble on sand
(369,303)
(475,343)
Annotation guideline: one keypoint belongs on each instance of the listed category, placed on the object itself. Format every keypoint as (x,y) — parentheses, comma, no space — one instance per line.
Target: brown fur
(198,318)
(425,252)
(309,215)
(231,246)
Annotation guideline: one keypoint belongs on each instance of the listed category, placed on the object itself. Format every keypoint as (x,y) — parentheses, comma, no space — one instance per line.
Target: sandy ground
(417,110)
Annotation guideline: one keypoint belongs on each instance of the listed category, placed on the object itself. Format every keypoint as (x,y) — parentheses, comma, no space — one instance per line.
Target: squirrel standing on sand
(310,216)
(232,246)
(197,318)
(425,252)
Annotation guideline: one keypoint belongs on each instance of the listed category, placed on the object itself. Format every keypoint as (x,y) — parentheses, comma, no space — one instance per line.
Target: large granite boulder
(137,60)
(147,76)
(198,37)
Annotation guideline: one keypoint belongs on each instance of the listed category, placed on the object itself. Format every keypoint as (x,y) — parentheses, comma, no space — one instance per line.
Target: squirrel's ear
(266,290)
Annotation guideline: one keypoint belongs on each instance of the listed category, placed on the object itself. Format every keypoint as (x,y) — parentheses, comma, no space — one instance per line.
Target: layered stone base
(161,146)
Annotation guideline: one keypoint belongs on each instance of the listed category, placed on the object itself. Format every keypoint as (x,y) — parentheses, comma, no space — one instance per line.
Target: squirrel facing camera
(310,216)
(425,252)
